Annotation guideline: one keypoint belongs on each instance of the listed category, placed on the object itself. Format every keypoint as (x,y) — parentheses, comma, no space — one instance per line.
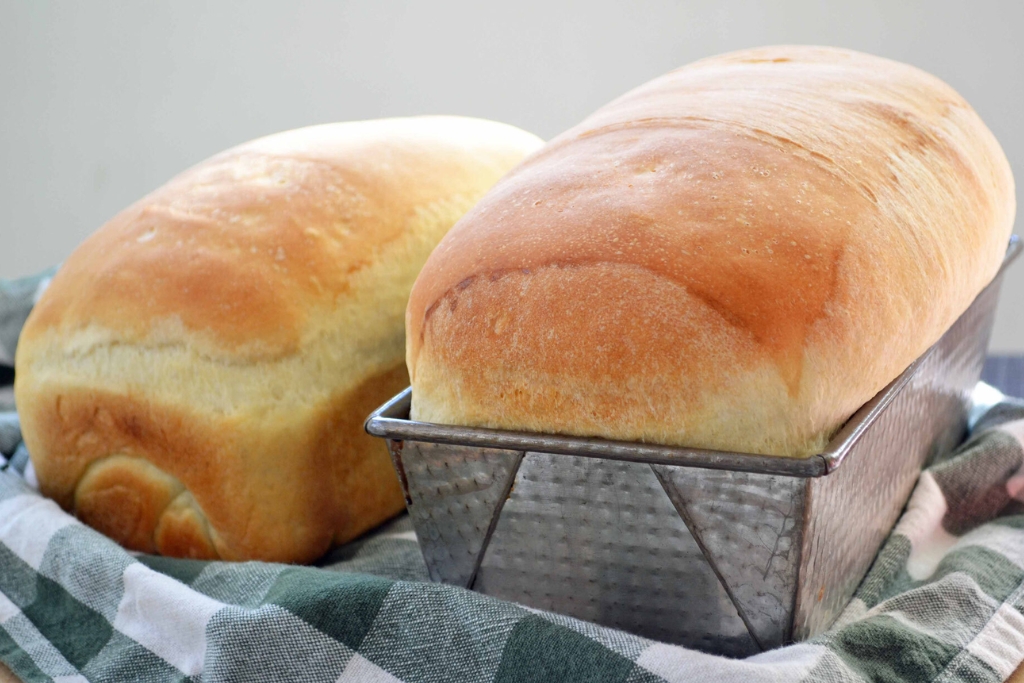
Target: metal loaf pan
(725,552)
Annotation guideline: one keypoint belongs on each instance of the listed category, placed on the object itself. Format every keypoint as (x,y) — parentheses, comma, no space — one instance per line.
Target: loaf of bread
(195,380)
(734,256)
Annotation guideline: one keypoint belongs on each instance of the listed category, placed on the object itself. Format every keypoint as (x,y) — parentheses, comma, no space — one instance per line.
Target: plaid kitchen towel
(944,600)
(16,300)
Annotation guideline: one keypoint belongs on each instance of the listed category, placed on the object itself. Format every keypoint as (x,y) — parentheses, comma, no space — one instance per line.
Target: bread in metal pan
(735,256)
(195,379)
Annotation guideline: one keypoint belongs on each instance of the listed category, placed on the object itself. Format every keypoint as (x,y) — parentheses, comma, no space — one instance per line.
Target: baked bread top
(735,255)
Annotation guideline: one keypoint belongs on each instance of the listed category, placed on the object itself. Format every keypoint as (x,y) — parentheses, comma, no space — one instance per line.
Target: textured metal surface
(749,528)
(717,551)
(851,511)
(601,541)
(453,494)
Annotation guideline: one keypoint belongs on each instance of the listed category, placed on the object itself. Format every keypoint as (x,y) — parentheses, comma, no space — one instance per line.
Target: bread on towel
(195,379)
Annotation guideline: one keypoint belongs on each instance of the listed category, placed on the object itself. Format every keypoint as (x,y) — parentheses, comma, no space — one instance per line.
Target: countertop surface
(1006,373)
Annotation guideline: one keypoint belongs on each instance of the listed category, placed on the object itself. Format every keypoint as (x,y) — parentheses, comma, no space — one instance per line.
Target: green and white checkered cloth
(944,601)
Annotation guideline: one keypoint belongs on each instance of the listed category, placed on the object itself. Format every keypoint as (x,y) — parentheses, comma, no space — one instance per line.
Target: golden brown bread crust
(736,256)
(195,379)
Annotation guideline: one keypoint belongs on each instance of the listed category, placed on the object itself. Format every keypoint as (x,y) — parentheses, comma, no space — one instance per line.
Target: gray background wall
(101,102)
